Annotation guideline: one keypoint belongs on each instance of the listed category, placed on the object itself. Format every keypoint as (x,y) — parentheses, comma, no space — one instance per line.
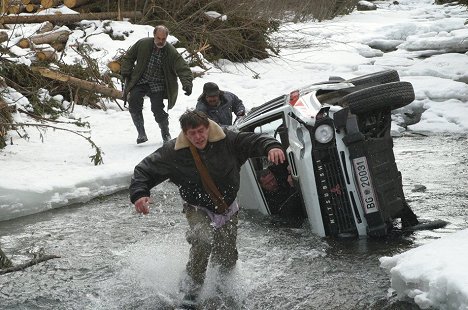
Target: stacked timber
(47,4)
(60,35)
(26,2)
(46,42)
(7,4)
(46,27)
(15,8)
(45,52)
(75,3)
(31,6)
(114,66)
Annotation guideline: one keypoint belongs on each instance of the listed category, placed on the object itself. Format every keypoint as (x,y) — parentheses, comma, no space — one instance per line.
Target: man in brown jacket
(158,64)
(212,233)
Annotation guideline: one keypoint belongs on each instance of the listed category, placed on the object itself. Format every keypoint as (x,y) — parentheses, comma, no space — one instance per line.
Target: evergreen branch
(78,123)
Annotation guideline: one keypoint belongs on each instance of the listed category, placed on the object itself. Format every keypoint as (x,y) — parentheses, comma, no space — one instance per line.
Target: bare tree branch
(96,158)
(32,262)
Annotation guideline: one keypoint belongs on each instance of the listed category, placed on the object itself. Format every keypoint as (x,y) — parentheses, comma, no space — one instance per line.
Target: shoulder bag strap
(208,184)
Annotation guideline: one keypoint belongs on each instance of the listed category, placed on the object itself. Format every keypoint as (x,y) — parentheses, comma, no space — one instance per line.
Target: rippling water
(112,258)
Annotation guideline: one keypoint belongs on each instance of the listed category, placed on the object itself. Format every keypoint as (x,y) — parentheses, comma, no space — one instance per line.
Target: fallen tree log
(46,55)
(45,52)
(47,4)
(114,66)
(67,18)
(24,43)
(16,9)
(82,84)
(58,46)
(75,3)
(46,27)
(51,37)
(26,2)
(59,35)
(31,8)
(5,4)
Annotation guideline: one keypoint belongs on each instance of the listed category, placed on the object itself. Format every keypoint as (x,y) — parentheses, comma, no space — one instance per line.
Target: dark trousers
(135,101)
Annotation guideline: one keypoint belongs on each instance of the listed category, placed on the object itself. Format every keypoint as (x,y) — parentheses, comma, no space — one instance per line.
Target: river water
(112,258)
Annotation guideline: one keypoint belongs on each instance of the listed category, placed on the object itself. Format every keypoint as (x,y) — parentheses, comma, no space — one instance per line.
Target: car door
(251,195)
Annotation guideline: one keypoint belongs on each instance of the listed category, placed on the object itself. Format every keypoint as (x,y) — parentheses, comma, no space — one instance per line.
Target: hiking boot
(164,125)
(139,123)
(191,293)
(141,139)
(166,137)
(190,301)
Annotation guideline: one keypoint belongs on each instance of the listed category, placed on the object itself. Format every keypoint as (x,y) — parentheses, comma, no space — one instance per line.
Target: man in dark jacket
(282,197)
(158,64)
(223,152)
(219,105)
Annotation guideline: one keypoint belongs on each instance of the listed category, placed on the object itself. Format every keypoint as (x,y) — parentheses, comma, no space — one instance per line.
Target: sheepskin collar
(215,134)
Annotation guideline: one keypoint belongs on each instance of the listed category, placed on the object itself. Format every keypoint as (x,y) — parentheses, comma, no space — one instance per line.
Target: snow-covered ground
(427,44)
(434,274)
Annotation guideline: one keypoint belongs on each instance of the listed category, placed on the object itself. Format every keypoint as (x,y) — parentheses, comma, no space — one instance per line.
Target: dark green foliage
(239,38)
(29,83)
(245,33)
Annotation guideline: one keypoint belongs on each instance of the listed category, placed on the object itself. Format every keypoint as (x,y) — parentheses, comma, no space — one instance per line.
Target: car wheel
(359,83)
(394,95)
(376,78)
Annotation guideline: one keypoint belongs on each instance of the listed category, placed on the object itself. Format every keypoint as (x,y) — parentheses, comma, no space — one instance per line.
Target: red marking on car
(336,189)
(293,97)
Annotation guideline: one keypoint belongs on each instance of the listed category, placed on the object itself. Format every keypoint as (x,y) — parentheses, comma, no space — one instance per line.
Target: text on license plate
(364,182)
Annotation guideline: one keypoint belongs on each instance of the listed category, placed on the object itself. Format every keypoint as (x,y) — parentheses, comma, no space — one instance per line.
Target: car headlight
(324,133)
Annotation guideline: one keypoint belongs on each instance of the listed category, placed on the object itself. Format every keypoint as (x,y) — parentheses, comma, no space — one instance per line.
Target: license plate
(364,182)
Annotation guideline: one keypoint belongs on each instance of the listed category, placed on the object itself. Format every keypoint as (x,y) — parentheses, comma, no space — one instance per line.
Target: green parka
(173,66)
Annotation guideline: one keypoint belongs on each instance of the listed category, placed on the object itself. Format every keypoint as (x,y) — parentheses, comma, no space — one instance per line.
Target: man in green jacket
(158,64)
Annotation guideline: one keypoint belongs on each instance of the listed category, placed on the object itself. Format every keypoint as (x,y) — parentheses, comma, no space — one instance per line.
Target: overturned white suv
(336,135)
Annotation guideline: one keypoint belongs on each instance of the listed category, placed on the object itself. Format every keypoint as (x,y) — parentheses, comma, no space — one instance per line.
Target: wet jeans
(206,241)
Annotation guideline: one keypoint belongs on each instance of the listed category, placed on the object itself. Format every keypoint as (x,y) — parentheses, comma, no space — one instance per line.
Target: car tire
(360,82)
(394,95)
(376,78)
